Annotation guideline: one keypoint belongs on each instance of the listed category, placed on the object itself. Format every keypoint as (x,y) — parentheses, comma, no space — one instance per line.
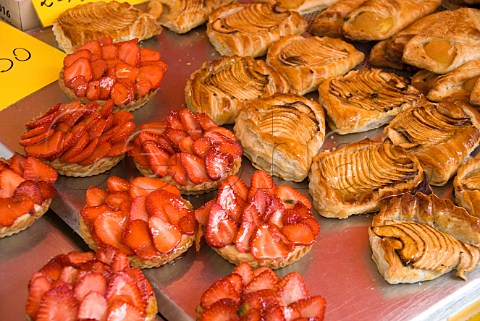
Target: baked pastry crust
(329,22)
(423,80)
(281,134)
(220,88)
(445,234)
(249,29)
(360,178)
(441,135)
(95,20)
(466,186)
(306,62)
(381,19)
(304,6)
(26,220)
(76,170)
(365,99)
(447,44)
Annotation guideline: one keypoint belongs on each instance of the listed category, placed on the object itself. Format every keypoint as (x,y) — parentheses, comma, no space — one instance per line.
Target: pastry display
(124,72)
(90,286)
(441,135)
(466,186)
(447,44)
(281,134)
(360,177)
(259,294)
(248,29)
(187,150)
(95,20)
(26,192)
(329,22)
(262,225)
(181,16)
(303,6)
(365,99)
(79,139)
(306,62)
(418,238)
(381,19)
(145,219)
(220,88)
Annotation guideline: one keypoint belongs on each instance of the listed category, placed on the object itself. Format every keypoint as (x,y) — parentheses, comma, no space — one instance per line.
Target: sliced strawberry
(118,201)
(90,213)
(156,127)
(137,154)
(221,135)
(274,212)
(159,140)
(85,153)
(129,52)
(190,123)
(265,245)
(205,121)
(261,200)
(46,118)
(106,84)
(234,149)
(17,163)
(80,67)
(195,168)
(79,85)
(261,299)
(175,135)
(166,205)
(122,133)
(98,128)
(40,129)
(201,145)
(37,287)
(221,310)
(217,164)
(202,213)
(93,307)
(119,149)
(153,73)
(137,236)
(78,145)
(187,224)
(92,46)
(78,257)
(142,283)
(109,228)
(9,180)
(69,59)
(99,67)
(29,189)
(238,186)
(46,190)
(123,70)
(220,290)
(122,93)
(37,139)
(123,311)
(173,121)
(149,55)
(117,184)
(157,158)
(312,307)
(58,303)
(138,209)
(120,262)
(267,280)
(221,229)
(313,224)
(36,170)
(145,185)
(292,288)
(290,196)
(93,90)
(109,52)
(230,202)
(186,145)
(90,282)
(50,147)
(245,271)
(244,235)
(123,286)
(176,170)
(299,233)
(261,180)
(142,88)
(291,216)
(165,235)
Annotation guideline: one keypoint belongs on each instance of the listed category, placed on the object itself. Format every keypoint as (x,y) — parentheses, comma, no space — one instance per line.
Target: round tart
(466,186)
(80,139)
(187,150)
(145,219)
(248,294)
(264,225)
(89,286)
(122,71)
(26,192)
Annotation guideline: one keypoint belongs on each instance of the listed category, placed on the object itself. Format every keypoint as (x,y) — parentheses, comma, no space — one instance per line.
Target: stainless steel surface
(339,266)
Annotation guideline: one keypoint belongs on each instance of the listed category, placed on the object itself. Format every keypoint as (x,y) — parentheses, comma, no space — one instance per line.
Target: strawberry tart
(145,219)
(26,192)
(80,139)
(122,71)
(187,150)
(89,286)
(259,294)
(263,225)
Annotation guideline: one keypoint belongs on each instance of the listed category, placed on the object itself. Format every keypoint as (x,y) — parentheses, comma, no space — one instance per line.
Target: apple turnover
(304,6)
(221,87)
(381,19)
(281,134)
(466,186)
(419,238)
(365,99)
(360,177)
(447,44)
(306,62)
(86,22)
(249,29)
(441,135)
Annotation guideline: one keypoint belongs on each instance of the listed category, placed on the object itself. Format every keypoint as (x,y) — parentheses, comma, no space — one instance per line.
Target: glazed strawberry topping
(260,294)
(122,71)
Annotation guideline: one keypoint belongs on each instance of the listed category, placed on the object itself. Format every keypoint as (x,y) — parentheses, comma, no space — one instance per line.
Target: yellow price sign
(26,64)
(49,10)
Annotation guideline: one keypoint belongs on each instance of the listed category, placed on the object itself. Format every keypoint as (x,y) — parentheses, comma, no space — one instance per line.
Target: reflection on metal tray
(339,266)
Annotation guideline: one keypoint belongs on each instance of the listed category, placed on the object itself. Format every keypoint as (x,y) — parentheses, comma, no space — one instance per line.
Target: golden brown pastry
(360,177)
(423,80)
(249,29)
(455,4)
(329,22)
(447,44)
(221,87)
(281,134)
(381,19)
(365,99)
(303,6)
(95,20)
(419,238)
(181,16)
(466,186)
(306,62)
(441,135)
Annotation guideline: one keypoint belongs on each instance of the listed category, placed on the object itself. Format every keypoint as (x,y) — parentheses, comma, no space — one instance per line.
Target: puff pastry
(381,19)
(281,134)
(365,99)
(360,177)
(181,16)
(95,20)
(329,22)
(419,238)
(441,135)
(221,87)
(447,44)
(423,80)
(304,6)
(306,62)
(249,29)
(466,186)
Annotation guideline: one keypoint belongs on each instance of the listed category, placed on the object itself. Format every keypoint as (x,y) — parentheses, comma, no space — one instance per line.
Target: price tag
(49,10)
(26,64)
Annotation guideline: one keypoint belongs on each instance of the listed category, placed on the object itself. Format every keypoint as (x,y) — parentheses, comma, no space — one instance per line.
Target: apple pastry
(423,80)
(303,6)
(466,186)
(306,62)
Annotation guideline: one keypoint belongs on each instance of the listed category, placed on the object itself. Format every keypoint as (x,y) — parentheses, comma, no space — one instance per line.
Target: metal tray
(339,266)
